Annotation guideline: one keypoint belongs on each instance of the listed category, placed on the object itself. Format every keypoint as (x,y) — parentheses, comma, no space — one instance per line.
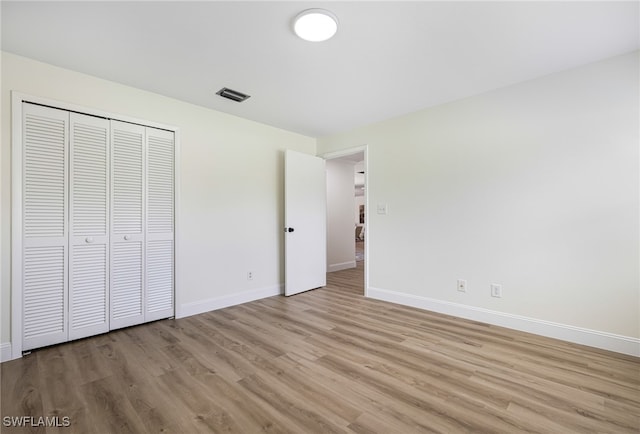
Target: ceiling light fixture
(315,25)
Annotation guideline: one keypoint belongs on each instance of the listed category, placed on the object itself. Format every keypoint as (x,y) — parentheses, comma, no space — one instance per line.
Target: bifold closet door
(97,229)
(89,231)
(142,251)
(45,145)
(127,224)
(160,220)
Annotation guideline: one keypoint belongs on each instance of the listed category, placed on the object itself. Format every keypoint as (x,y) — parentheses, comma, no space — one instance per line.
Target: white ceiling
(387,59)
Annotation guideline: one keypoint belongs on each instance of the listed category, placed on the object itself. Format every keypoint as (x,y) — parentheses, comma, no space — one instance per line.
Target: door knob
(127,237)
(289,229)
(89,239)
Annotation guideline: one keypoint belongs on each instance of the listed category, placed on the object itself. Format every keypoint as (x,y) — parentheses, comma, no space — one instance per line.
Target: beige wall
(231,208)
(534,186)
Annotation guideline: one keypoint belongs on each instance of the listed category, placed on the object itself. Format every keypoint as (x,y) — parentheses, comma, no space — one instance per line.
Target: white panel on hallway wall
(341,246)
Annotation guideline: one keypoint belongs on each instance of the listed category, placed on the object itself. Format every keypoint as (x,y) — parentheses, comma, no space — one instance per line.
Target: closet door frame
(17,99)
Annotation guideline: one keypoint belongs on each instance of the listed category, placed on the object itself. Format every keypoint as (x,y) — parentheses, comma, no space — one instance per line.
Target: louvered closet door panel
(44,233)
(89,216)
(127,224)
(126,284)
(160,221)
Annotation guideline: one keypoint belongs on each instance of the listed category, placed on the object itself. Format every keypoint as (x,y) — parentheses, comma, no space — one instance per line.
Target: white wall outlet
(496,290)
(382,208)
(462,285)
(249,275)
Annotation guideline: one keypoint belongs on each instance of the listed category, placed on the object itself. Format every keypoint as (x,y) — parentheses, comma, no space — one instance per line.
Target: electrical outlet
(462,285)
(250,275)
(496,290)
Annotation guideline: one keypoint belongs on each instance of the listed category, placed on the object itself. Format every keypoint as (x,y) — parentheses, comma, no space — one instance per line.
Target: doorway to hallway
(347,230)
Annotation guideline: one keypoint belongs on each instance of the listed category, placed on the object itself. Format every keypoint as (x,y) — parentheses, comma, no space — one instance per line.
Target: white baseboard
(341,266)
(5,352)
(194,308)
(578,335)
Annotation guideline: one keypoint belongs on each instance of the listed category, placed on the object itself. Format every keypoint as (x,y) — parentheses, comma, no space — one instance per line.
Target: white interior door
(305,190)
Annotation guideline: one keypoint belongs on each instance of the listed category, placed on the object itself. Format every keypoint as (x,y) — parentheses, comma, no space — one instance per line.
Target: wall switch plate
(462,285)
(382,208)
(496,290)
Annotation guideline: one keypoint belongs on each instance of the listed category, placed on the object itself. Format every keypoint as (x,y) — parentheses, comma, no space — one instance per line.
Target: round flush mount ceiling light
(315,25)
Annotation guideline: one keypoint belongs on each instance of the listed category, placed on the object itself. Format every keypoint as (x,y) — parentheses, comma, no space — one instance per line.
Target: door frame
(17,98)
(367,244)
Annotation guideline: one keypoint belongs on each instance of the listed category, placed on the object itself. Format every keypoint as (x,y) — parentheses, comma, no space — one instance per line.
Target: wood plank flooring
(325,361)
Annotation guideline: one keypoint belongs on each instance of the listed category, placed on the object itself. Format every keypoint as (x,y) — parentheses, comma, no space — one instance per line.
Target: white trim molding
(16,223)
(577,335)
(197,307)
(341,266)
(5,352)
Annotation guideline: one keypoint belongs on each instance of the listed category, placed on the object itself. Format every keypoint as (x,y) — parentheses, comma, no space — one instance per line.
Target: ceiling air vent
(233,95)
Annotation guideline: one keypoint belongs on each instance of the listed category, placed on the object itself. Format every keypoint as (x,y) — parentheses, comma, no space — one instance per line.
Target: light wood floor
(325,361)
